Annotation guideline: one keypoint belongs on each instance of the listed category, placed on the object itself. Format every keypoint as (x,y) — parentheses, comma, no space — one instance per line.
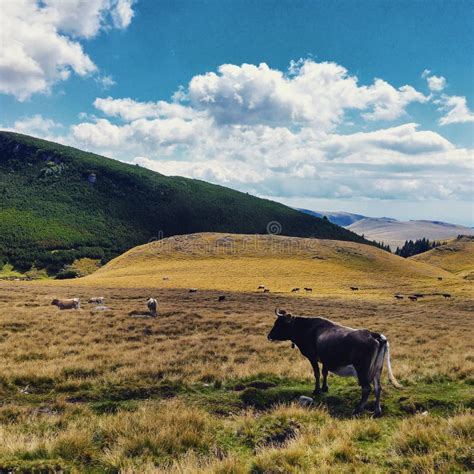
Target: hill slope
(243,262)
(456,256)
(78,204)
(395,233)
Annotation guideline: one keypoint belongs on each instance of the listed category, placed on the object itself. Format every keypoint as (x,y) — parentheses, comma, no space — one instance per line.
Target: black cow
(341,350)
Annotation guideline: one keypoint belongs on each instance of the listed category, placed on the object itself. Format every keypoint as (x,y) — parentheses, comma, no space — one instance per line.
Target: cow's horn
(280,312)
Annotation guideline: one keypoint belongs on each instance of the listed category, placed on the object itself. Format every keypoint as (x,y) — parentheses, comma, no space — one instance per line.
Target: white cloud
(457,110)
(150,136)
(277,161)
(105,81)
(275,134)
(310,93)
(40,40)
(389,103)
(36,124)
(129,109)
(436,83)
(404,139)
(213,170)
(123,13)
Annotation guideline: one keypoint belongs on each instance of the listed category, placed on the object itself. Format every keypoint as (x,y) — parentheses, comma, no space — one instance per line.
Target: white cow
(152,306)
(72,303)
(97,300)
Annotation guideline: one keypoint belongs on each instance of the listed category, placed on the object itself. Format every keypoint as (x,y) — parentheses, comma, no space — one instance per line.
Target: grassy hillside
(243,262)
(456,256)
(77,204)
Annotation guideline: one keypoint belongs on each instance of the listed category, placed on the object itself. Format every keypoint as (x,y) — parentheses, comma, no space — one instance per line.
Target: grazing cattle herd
(341,350)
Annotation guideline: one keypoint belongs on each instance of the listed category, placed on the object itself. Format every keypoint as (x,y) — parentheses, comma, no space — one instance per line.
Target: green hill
(59,203)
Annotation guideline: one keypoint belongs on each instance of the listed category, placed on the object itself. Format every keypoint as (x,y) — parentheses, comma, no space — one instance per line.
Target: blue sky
(375,115)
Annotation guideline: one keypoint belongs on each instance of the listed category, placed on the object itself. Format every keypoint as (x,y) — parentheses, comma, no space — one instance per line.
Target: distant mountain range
(391,231)
(343,219)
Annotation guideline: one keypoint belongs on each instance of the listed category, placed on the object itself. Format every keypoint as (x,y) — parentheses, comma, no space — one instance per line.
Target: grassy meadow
(200,389)
(241,263)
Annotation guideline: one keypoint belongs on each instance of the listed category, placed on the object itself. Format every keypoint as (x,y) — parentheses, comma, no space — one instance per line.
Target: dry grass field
(200,389)
(456,256)
(243,262)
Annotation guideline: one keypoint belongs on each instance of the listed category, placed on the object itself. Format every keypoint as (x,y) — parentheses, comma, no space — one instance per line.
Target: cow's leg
(325,387)
(378,391)
(362,375)
(363,400)
(315,365)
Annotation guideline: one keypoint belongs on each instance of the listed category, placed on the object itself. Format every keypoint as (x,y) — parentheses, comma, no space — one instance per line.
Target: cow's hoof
(316,392)
(357,412)
(377,413)
(325,389)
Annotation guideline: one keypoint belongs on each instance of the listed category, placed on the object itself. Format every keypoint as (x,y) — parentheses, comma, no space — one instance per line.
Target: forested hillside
(58,203)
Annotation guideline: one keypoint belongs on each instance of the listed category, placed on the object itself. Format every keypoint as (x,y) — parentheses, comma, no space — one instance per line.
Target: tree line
(411,247)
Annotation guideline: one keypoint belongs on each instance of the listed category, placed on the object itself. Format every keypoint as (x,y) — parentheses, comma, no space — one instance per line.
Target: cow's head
(55,302)
(282,330)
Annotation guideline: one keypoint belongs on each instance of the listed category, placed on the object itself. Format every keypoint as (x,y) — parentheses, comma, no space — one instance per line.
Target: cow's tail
(391,377)
(376,366)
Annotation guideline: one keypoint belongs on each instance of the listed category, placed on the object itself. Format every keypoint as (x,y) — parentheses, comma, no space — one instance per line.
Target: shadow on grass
(441,398)
(260,392)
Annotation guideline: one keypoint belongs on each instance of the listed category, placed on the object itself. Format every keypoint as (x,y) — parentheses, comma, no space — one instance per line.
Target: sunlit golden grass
(200,389)
(456,256)
(243,262)
(75,384)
